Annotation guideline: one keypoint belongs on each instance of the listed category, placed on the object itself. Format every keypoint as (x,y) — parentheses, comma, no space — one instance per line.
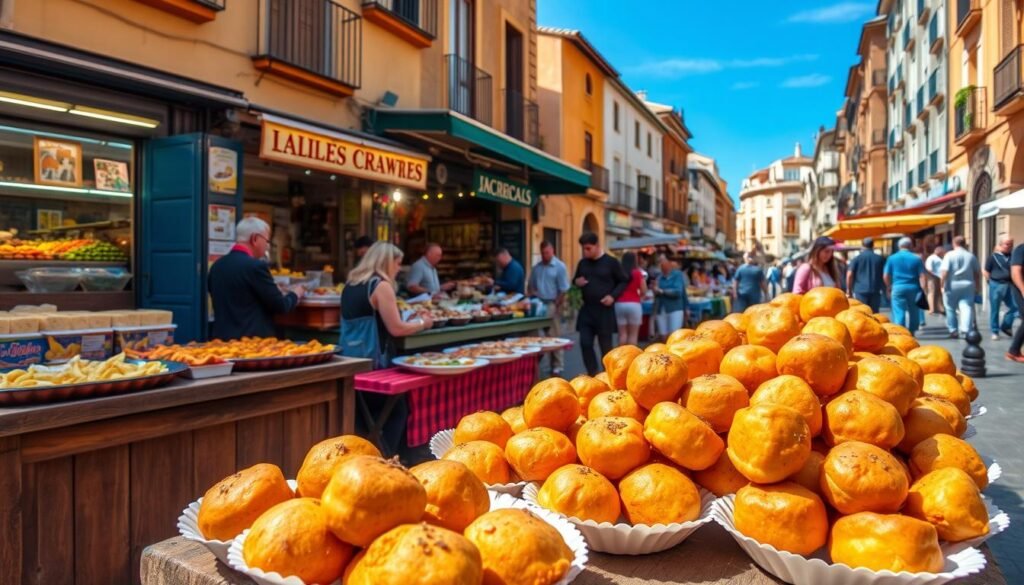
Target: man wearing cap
(864,280)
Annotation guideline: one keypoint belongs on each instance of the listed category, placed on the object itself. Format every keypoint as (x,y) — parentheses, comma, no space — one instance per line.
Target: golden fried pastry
(417,553)
(586,389)
(909,366)
(680,335)
(949,499)
(832,328)
(867,333)
(535,454)
(293,539)
(324,458)
(616,363)
(551,403)
(235,502)
(791,391)
(773,327)
(768,442)
(658,494)
(702,355)
(885,380)
(367,496)
(883,319)
(603,377)
(655,347)
(752,365)
(822,301)
(483,426)
(933,359)
(809,475)
(514,417)
(485,459)
(894,329)
(580,492)
(968,385)
(860,416)
(738,321)
(721,332)
(615,403)
(656,377)
(886,542)
(715,398)
(786,516)
(904,343)
(818,360)
(930,416)
(682,436)
(612,445)
(518,548)
(790,301)
(948,388)
(574,430)
(721,478)
(858,477)
(939,451)
(455,496)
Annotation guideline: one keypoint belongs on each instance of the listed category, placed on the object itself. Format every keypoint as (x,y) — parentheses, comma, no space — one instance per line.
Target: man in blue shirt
(904,276)
(549,281)
(864,280)
(513,277)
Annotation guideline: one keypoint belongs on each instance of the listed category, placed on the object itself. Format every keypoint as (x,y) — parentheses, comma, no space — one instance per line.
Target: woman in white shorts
(628,310)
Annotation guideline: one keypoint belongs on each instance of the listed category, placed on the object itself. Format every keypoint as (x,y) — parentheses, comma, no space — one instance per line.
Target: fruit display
(355,516)
(82,250)
(96,252)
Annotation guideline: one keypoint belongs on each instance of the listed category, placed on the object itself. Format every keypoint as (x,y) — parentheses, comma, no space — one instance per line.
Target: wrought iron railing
(522,117)
(319,36)
(644,202)
(1008,77)
(598,175)
(421,14)
(469,89)
(967,111)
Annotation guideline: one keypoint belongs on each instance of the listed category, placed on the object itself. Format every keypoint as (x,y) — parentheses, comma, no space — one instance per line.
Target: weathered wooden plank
(260,440)
(10,510)
(49,523)
(347,405)
(213,451)
(101,517)
(161,485)
(303,428)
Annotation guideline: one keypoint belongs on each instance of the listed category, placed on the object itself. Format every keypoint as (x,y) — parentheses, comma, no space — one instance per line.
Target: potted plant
(960,106)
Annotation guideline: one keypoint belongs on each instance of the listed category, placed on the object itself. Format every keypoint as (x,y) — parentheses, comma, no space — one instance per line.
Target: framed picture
(49,218)
(112,175)
(58,162)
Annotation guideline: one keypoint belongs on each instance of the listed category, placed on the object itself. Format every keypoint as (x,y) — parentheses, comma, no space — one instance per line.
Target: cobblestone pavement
(998,437)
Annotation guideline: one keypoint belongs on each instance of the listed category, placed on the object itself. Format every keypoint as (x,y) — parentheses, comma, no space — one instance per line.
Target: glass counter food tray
(47,394)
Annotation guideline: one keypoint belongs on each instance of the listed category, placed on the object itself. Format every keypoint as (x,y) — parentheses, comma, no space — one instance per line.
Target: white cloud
(743,85)
(803,81)
(679,67)
(842,12)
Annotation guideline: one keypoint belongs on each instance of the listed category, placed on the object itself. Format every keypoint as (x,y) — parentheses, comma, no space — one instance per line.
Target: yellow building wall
(581,112)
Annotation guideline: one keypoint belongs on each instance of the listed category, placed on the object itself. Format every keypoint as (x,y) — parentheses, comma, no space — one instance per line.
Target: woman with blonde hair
(821,268)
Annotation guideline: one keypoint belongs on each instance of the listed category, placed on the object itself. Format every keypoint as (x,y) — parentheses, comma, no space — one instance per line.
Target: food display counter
(88,484)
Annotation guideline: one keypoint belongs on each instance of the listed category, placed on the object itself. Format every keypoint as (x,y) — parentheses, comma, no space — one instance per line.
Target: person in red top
(628,310)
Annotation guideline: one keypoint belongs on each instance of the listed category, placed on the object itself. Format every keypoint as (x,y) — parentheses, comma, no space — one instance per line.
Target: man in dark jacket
(245,297)
(602,280)
(864,280)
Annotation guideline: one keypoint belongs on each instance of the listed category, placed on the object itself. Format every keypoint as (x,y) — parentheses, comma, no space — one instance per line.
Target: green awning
(547,173)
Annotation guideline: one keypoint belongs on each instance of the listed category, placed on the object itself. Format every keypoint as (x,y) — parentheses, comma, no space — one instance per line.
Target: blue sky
(752,76)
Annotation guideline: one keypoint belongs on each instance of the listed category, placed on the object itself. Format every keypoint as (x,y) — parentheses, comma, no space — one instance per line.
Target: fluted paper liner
(443,441)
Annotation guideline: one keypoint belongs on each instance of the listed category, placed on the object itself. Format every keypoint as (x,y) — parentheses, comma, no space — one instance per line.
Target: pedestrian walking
(864,277)
(749,285)
(961,285)
(997,272)
(629,312)
(932,267)
(903,273)
(774,281)
(549,282)
(669,297)
(789,275)
(821,268)
(1017,278)
(602,280)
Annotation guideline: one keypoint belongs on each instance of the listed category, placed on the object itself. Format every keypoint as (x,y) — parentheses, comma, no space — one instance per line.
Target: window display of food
(80,371)
(63,249)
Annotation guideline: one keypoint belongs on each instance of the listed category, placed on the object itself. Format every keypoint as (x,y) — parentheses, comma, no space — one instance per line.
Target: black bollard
(973,361)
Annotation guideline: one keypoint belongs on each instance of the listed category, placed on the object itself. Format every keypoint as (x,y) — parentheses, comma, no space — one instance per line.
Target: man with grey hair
(904,275)
(961,286)
(932,267)
(245,297)
(997,271)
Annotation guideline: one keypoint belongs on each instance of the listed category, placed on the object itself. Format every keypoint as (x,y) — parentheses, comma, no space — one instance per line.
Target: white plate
(503,358)
(211,371)
(443,441)
(977,410)
(816,570)
(554,342)
(998,521)
(188,526)
(639,539)
(570,534)
(440,370)
(237,562)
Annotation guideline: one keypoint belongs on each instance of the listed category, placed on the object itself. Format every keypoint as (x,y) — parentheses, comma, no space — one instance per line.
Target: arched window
(588,84)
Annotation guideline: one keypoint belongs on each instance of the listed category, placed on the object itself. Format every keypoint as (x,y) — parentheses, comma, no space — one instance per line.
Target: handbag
(360,338)
(921,300)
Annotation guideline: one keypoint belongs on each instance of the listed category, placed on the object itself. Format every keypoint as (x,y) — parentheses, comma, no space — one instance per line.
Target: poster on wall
(57,162)
(218,249)
(223,170)
(112,175)
(221,223)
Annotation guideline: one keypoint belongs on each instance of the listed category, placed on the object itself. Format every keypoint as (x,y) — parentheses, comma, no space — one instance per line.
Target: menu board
(512,236)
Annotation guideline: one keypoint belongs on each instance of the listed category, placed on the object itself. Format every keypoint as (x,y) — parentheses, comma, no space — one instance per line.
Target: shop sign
(333,154)
(503,190)
(619,219)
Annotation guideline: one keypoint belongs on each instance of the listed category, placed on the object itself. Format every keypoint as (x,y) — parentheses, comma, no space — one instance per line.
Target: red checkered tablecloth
(438,402)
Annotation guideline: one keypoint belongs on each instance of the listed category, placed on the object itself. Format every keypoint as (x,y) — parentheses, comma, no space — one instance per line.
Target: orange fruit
(884,379)
(772,328)
(680,335)
(861,416)
(580,492)
(293,538)
(485,459)
(702,356)
(752,365)
(715,398)
(737,320)
(894,329)
(655,347)
(822,301)
(830,327)
(455,496)
(790,301)
(721,478)
(535,454)
(367,496)
(940,451)
(948,388)
(867,333)
(930,416)
(858,477)
(881,318)
(615,403)
(787,516)
(431,553)
(603,376)
(968,385)
(809,475)
(862,308)
(324,458)
(768,442)
(903,343)
(682,437)
(658,494)
(933,359)
(483,426)
(949,499)
(551,403)
(514,417)
(612,445)
(912,368)
(656,377)
(616,363)
(886,542)
(791,391)
(721,332)
(574,429)
(816,359)
(586,389)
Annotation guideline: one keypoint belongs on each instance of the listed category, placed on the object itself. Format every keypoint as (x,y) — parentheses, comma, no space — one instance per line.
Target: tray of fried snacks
(249,353)
(80,378)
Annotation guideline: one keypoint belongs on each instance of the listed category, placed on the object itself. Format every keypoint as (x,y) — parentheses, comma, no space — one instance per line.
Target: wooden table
(709,557)
(86,485)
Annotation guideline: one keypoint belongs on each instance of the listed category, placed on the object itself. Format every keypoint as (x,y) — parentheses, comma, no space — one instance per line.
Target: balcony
(968,15)
(645,203)
(622,194)
(922,110)
(878,137)
(414,21)
(922,11)
(878,78)
(522,119)
(1009,91)
(935,40)
(908,39)
(969,115)
(198,11)
(936,88)
(598,175)
(938,173)
(317,43)
(469,89)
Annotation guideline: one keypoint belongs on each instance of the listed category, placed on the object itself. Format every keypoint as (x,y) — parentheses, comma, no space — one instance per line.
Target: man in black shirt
(864,276)
(997,271)
(602,280)
(1017,278)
